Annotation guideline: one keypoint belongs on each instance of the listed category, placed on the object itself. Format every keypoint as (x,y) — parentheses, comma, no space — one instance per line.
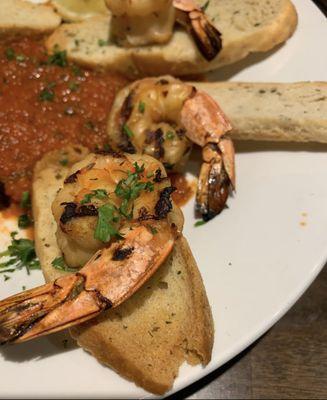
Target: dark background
(289,361)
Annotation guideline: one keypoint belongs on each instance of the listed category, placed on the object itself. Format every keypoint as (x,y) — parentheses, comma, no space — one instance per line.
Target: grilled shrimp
(162,117)
(143,22)
(113,217)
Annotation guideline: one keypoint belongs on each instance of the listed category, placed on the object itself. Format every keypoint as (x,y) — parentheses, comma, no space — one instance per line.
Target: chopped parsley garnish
(205,6)
(64,162)
(199,223)
(153,230)
(129,189)
(46,95)
(141,107)
(73,86)
(128,131)
(108,215)
(100,194)
(25,201)
(58,58)
(106,147)
(21,254)
(170,135)
(76,70)
(24,221)
(6,277)
(102,42)
(59,263)
(89,125)
(10,54)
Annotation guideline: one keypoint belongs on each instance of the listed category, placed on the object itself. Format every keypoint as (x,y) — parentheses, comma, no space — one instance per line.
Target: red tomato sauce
(44,106)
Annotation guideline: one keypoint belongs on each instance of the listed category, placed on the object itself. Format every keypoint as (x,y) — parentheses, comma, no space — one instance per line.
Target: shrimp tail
(47,309)
(111,276)
(206,36)
(216,179)
(207,126)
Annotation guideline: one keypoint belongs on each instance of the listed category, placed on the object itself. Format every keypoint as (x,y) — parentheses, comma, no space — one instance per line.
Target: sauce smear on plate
(46,103)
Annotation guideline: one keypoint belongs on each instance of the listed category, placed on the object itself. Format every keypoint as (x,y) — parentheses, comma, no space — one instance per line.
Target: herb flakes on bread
(247,26)
(166,322)
(283,112)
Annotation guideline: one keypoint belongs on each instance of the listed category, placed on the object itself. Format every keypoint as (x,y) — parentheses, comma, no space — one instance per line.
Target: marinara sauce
(46,103)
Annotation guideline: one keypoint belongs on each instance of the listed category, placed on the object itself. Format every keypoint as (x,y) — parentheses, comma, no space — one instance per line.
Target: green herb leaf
(76,70)
(153,230)
(25,201)
(58,58)
(205,6)
(73,86)
(102,42)
(24,221)
(20,254)
(64,162)
(89,125)
(128,131)
(141,107)
(10,54)
(100,194)
(138,169)
(59,263)
(46,95)
(199,223)
(170,135)
(105,229)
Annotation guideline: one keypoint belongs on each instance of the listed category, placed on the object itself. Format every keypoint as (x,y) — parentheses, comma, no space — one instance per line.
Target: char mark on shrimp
(121,253)
(164,204)
(73,210)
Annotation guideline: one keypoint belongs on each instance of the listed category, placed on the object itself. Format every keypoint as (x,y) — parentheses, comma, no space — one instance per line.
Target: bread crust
(165,323)
(21,17)
(179,56)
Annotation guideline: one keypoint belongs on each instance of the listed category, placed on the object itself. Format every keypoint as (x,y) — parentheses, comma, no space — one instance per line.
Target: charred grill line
(72,178)
(157,176)
(73,210)
(122,253)
(164,204)
(162,82)
(126,110)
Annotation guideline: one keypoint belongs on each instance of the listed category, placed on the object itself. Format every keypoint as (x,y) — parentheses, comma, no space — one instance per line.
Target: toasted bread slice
(166,322)
(22,17)
(247,26)
(295,112)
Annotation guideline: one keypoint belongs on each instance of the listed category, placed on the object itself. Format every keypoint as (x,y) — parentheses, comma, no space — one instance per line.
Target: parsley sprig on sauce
(20,254)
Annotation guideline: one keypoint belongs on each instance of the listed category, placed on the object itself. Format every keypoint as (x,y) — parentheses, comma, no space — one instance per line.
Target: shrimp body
(146,118)
(113,220)
(146,22)
(162,117)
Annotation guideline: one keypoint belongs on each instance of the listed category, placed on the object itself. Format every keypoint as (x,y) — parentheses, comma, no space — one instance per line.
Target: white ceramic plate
(256,259)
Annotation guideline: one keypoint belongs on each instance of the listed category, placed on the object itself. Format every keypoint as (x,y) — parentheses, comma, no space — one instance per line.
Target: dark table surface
(288,362)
